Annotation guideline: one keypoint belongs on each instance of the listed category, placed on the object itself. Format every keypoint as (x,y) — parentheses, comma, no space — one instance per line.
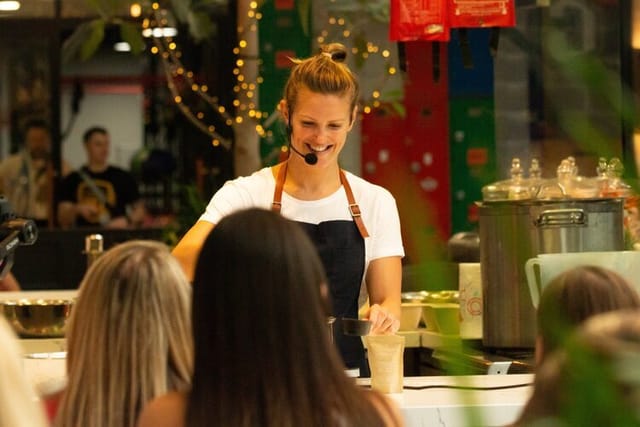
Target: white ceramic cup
(625,263)
(470,290)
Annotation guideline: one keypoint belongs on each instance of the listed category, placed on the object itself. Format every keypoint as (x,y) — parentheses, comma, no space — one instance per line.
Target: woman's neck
(306,182)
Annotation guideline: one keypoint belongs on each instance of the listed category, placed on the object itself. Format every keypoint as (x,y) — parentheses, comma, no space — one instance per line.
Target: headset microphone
(309,158)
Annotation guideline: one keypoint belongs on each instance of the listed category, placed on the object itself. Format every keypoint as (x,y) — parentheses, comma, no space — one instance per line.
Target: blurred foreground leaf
(131,34)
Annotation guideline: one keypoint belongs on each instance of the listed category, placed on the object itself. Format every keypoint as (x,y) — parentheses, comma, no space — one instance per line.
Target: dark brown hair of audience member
(576,295)
(263,355)
(594,380)
(86,136)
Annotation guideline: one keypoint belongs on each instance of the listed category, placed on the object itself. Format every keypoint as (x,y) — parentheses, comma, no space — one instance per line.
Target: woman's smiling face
(320,124)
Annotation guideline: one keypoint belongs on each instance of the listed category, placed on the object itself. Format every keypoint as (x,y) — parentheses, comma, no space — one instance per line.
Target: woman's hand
(383,322)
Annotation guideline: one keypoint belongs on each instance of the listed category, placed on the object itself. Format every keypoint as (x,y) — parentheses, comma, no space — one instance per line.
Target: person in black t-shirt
(99,194)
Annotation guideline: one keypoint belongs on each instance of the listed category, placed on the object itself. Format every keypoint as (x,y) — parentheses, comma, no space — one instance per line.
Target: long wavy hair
(129,336)
(17,397)
(263,353)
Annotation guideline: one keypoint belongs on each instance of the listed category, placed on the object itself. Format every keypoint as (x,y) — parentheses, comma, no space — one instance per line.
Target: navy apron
(340,244)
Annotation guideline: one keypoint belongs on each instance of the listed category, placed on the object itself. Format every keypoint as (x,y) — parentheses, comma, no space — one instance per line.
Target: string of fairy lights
(180,79)
(342,30)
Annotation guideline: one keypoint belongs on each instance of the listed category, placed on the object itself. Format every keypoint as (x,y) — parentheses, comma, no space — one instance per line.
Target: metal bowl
(38,318)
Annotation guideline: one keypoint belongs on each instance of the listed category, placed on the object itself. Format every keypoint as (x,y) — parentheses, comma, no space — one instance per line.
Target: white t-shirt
(377,205)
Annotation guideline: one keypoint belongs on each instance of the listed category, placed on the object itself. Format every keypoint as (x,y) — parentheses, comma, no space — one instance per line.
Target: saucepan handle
(561,217)
(535,287)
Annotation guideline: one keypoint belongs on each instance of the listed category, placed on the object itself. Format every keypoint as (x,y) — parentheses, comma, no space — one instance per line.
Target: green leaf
(304,7)
(181,9)
(71,46)
(131,34)
(200,26)
(94,39)
(77,44)
(399,108)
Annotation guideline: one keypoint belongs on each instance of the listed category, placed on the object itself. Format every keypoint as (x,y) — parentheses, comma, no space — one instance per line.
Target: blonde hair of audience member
(575,295)
(594,379)
(18,400)
(129,336)
(259,360)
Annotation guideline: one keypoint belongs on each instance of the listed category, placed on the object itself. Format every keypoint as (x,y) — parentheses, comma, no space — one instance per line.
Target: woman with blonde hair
(18,400)
(259,361)
(129,337)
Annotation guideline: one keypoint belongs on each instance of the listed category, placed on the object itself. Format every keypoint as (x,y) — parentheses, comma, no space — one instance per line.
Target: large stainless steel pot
(511,232)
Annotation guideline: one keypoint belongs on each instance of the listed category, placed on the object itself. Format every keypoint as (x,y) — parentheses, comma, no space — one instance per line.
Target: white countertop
(442,406)
(436,404)
(44,294)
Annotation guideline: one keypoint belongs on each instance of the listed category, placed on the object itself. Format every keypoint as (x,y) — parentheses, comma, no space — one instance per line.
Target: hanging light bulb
(9,6)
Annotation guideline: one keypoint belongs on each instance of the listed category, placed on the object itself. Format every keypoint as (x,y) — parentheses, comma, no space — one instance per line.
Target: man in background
(99,194)
(26,178)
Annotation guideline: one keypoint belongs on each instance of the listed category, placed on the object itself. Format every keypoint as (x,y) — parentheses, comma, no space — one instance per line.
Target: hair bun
(335,51)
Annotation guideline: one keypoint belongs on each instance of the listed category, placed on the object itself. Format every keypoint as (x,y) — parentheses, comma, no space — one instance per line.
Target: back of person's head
(262,348)
(575,295)
(18,406)
(323,73)
(594,379)
(86,136)
(129,336)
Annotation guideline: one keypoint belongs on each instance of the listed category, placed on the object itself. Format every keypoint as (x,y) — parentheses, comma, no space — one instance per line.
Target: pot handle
(535,288)
(561,217)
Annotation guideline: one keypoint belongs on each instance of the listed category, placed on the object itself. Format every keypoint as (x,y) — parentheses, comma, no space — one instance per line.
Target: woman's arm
(188,248)
(384,284)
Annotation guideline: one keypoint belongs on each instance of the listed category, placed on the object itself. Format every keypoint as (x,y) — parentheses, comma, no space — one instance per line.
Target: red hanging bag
(413,20)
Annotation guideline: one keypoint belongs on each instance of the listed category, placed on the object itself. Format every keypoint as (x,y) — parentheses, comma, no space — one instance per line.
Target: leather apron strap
(276,205)
(354,209)
(353,206)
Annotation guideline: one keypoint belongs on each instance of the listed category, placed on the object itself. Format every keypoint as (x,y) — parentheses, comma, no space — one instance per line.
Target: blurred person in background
(26,178)
(594,379)
(128,337)
(99,194)
(263,351)
(574,296)
(19,406)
